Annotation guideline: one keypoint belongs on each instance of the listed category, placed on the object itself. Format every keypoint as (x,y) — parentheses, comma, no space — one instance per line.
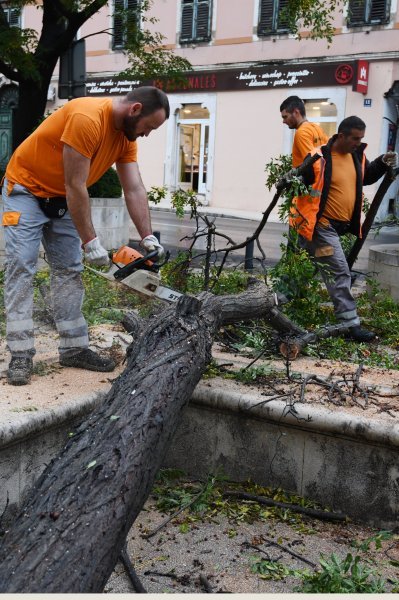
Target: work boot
(87,359)
(360,335)
(19,370)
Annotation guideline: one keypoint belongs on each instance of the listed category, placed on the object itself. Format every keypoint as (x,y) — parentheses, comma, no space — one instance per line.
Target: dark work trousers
(327,251)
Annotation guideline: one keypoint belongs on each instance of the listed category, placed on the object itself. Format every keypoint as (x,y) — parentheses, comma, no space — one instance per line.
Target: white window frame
(177,101)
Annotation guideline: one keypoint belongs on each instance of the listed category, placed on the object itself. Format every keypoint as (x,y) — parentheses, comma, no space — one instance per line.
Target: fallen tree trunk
(73,526)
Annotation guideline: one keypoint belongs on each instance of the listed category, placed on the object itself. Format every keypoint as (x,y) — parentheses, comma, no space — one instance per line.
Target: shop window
(273,17)
(324,113)
(13,15)
(368,12)
(195,21)
(126,21)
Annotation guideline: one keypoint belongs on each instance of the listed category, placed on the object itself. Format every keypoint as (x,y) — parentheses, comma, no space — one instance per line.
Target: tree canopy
(29,57)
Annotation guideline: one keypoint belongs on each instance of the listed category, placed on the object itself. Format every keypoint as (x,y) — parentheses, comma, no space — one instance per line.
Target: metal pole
(249,255)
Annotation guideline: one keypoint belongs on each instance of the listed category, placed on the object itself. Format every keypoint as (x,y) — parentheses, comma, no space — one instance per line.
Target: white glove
(150,243)
(391,159)
(95,253)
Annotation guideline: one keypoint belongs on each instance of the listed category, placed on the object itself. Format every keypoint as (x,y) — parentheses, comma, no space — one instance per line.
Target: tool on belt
(139,273)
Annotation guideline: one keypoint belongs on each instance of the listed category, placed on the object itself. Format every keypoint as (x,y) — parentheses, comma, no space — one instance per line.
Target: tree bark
(73,526)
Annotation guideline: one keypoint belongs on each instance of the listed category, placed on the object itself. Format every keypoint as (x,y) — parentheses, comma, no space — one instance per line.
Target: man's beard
(130,127)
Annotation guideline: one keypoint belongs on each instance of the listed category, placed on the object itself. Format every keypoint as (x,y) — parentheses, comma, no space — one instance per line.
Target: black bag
(53,208)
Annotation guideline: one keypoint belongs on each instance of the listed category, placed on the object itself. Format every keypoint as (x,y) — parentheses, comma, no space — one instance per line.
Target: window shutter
(119,5)
(265,24)
(379,11)
(203,21)
(357,10)
(187,18)
(14,17)
(368,12)
(282,19)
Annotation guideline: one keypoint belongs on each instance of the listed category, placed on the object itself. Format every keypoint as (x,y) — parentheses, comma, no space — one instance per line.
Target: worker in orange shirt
(307,135)
(46,200)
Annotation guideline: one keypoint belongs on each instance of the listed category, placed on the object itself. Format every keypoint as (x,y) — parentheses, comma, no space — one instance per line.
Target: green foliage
(147,55)
(275,169)
(342,576)
(272,570)
(179,274)
(255,373)
(365,545)
(180,199)
(108,186)
(316,16)
(104,302)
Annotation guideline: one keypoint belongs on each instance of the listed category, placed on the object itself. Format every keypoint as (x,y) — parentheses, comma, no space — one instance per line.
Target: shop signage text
(257,78)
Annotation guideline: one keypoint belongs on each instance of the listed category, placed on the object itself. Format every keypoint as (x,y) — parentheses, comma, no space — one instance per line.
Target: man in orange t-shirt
(46,200)
(307,135)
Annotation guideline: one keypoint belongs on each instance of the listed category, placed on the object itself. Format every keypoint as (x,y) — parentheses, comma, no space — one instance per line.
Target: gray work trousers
(334,271)
(62,246)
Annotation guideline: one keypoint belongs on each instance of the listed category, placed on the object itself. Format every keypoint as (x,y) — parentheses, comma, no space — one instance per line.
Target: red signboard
(361,81)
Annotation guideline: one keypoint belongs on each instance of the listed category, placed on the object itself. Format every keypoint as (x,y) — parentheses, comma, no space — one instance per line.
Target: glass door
(192,148)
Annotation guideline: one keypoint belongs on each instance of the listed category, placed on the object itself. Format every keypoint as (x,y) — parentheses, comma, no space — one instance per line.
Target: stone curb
(34,423)
(303,416)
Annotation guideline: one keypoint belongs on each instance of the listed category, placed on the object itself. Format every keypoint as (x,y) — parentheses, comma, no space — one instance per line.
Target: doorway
(192,148)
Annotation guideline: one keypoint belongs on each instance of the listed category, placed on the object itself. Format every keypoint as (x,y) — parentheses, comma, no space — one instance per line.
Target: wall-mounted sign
(367,102)
(361,82)
(256,78)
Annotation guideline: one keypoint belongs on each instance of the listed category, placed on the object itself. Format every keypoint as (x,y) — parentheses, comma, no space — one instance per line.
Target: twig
(171,517)
(294,554)
(269,558)
(323,515)
(131,573)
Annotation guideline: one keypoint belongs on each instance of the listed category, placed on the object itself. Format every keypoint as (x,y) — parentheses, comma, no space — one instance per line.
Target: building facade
(225,123)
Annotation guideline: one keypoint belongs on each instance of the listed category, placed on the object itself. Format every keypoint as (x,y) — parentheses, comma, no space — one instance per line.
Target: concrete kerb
(307,417)
(337,459)
(36,423)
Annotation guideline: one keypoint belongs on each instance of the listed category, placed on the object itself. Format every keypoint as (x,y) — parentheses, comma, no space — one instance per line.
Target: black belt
(341,227)
(53,208)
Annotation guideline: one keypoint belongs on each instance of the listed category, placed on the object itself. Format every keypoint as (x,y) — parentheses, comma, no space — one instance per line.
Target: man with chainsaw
(333,208)
(46,200)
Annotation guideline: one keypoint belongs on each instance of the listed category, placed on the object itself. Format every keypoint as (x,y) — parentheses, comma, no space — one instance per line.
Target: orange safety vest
(305,210)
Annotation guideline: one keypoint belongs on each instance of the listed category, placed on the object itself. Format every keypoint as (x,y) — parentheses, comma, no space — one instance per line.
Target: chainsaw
(139,273)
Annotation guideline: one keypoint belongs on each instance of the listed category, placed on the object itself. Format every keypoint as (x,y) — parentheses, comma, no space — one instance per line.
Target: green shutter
(187,20)
(368,12)
(195,20)
(379,12)
(266,10)
(203,20)
(282,18)
(270,18)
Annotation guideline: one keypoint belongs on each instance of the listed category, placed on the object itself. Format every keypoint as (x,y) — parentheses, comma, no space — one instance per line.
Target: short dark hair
(293,102)
(350,123)
(152,99)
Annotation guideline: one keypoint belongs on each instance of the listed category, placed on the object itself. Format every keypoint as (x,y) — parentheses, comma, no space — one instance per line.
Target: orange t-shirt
(307,136)
(85,124)
(342,194)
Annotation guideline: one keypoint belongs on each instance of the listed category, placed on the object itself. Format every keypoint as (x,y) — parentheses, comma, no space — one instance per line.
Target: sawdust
(370,391)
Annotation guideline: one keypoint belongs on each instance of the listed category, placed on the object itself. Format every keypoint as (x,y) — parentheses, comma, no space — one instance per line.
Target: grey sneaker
(87,359)
(19,370)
